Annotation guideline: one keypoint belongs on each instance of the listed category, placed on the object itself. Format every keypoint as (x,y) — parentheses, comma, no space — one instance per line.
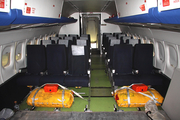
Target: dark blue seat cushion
(148,79)
(121,80)
(151,79)
(28,79)
(52,79)
(72,81)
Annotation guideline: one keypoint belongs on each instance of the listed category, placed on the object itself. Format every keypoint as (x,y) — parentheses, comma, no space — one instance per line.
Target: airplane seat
(62,35)
(74,35)
(104,40)
(133,42)
(110,52)
(86,35)
(116,35)
(122,66)
(84,42)
(143,65)
(68,44)
(56,65)
(56,39)
(73,39)
(47,42)
(36,65)
(78,67)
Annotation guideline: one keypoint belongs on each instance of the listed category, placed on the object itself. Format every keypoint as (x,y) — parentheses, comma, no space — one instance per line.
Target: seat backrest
(64,42)
(86,35)
(133,42)
(81,42)
(143,58)
(56,59)
(36,59)
(78,61)
(73,39)
(104,37)
(122,59)
(55,39)
(47,42)
(111,44)
(73,35)
(125,38)
(120,35)
(62,35)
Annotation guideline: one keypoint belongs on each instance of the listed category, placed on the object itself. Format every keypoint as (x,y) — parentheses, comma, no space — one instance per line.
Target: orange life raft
(61,98)
(127,97)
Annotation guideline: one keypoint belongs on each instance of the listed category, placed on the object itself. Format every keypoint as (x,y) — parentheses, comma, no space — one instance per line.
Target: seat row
(49,65)
(133,65)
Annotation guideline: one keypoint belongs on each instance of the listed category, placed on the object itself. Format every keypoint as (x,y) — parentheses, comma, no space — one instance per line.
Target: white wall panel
(8,71)
(4,5)
(168,4)
(171,104)
(133,7)
(40,8)
(171,59)
(22,62)
(17,4)
(72,28)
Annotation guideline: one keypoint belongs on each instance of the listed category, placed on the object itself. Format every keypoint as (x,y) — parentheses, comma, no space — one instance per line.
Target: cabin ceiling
(72,6)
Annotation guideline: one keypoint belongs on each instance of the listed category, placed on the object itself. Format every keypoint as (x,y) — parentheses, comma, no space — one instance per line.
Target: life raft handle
(64,89)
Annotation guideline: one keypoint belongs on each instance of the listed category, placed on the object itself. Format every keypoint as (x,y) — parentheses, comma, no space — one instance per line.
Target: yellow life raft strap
(128,96)
(33,99)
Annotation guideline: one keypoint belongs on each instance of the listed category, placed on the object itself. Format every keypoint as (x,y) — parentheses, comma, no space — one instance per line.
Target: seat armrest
(23,70)
(157,70)
(65,72)
(135,71)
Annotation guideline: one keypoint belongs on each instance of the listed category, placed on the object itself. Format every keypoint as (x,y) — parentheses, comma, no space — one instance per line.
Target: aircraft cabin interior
(89,59)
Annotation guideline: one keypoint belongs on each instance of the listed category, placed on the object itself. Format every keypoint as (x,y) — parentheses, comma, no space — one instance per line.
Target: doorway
(91,25)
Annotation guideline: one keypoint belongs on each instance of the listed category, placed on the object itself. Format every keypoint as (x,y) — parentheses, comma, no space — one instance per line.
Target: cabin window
(161,51)
(36,41)
(6,57)
(19,52)
(173,60)
(143,40)
(54,35)
(29,42)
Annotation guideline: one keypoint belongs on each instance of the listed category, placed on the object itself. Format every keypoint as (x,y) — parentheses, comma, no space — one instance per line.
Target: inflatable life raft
(51,97)
(127,97)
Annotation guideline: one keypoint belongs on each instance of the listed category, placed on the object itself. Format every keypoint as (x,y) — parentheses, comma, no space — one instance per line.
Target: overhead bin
(153,16)
(21,19)
(15,17)
(147,11)
(7,18)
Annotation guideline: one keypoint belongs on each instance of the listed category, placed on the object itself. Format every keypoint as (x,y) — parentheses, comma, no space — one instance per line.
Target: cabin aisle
(100,94)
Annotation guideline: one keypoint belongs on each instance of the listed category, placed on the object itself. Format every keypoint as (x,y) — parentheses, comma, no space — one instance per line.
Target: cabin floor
(98,99)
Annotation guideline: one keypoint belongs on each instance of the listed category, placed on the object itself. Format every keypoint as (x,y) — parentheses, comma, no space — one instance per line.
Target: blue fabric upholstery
(72,81)
(52,79)
(121,80)
(36,59)
(56,64)
(28,79)
(143,62)
(56,59)
(122,59)
(36,63)
(78,66)
(143,58)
